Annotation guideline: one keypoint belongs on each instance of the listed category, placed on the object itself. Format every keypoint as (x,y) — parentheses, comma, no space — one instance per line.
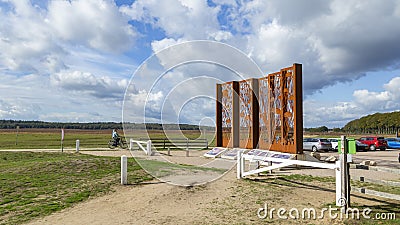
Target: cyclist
(115,136)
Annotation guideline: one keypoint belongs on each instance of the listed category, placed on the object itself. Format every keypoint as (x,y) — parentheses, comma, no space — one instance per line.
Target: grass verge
(37,184)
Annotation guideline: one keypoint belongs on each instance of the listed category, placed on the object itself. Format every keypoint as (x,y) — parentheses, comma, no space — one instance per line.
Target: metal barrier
(148,144)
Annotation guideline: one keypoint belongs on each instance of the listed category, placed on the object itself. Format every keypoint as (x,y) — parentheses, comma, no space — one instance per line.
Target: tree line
(13,124)
(380,123)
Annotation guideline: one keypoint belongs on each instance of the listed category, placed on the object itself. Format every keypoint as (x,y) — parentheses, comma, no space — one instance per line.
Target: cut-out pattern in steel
(246,112)
(245,104)
(276,116)
(264,114)
(227,114)
(227,105)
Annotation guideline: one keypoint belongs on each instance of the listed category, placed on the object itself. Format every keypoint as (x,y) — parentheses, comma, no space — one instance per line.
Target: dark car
(361,147)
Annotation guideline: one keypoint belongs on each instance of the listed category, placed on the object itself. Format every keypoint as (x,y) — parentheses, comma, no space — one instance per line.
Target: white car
(316,144)
(334,142)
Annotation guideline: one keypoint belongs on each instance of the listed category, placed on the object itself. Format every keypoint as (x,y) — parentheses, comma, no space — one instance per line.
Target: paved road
(388,158)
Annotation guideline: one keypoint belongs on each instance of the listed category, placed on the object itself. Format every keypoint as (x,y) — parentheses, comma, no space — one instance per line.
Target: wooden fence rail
(182,143)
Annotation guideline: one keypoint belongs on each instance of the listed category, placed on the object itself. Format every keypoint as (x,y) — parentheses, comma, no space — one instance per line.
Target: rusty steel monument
(264,113)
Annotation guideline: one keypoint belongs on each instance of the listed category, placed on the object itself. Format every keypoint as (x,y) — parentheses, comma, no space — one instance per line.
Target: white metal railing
(147,150)
(280,163)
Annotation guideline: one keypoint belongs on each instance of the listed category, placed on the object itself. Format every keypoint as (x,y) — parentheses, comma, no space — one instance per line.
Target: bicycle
(112,143)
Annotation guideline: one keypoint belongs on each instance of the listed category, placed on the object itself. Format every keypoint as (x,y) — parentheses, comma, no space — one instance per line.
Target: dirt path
(152,203)
(225,201)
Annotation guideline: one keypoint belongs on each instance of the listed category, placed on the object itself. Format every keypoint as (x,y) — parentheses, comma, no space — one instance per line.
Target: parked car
(374,142)
(316,144)
(361,147)
(393,143)
(334,143)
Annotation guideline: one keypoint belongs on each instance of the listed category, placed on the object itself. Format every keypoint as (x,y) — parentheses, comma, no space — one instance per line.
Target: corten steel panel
(274,121)
(219,116)
(298,111)
(265,121)
(227,114)
(281,124)
(235,112)
(248,111)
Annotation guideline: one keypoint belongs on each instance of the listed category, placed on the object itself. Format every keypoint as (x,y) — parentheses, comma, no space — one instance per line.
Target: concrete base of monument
(307,156)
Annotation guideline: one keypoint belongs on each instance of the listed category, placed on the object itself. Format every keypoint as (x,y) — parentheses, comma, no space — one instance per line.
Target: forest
(379,123)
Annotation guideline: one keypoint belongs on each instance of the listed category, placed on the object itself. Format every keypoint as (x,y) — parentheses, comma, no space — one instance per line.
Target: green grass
(51,139)
(37,184)
(40,140)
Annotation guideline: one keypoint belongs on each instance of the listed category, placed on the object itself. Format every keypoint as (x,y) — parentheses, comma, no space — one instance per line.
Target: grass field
(51,138)
(37,184)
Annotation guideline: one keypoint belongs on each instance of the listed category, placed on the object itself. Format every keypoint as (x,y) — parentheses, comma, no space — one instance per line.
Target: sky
(73,61)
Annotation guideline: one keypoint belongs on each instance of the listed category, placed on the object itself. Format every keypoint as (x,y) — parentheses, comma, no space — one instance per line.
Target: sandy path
(152,203)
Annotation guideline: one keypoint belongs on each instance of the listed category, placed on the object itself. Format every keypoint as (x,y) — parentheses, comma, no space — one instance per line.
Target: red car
(374,142)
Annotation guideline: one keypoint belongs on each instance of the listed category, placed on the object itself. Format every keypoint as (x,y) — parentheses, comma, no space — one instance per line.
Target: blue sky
(73,60)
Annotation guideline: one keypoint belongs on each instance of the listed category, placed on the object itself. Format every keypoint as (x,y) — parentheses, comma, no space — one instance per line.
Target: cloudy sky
(73,60)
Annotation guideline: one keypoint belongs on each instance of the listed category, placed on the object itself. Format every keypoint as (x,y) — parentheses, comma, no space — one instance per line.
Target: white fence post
(239,164)
(77,145)
(131,144)
(124,170)
(149,147)
(242,163)
(338,176)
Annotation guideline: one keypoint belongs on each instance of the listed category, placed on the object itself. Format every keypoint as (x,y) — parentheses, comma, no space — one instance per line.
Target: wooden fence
(179,143)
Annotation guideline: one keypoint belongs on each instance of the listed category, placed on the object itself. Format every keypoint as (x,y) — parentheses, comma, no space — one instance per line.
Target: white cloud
(384,100)
(97,23)
(26,42)
(178,18)
(37,97)
(393,87)
(34,39)
(141,106)
(71,117)
(221,35)
(329,114)
(364,102)
(100,87)
(164,43)
(10,110)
